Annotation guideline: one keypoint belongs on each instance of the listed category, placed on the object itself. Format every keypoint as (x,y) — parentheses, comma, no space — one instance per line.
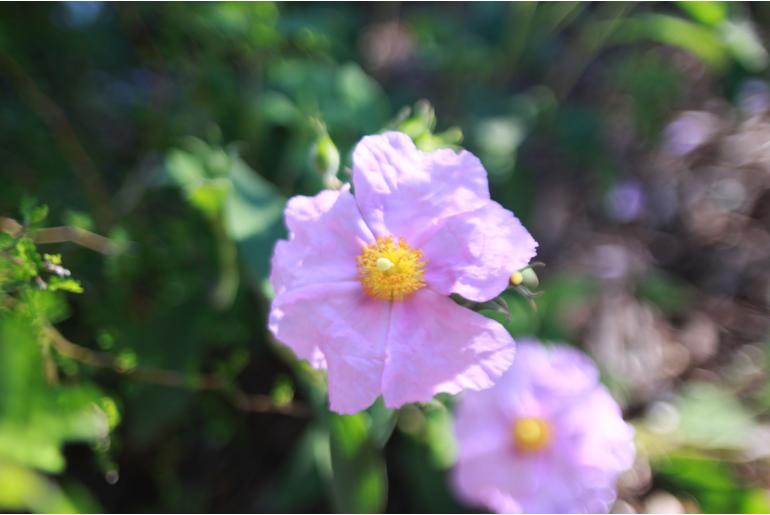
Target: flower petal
(404,192)
(339,327)
(500,480)
(474,254)
(326,234)
(435,345)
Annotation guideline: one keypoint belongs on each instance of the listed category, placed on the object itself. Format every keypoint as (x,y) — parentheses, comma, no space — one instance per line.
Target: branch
(64,234)
(253,403)
(82,237)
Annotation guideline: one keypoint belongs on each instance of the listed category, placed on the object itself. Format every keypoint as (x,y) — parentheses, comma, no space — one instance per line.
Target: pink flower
(363,283)
(548,438)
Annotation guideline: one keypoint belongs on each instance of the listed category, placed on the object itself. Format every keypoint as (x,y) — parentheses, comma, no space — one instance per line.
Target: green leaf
(756,501)
(184,169)
(359,475)
(65,284)
(23,489)
(711,482)
(703,42)
(439,435)
(33,213)
(707,13)
(744,43)
(710,417)
(6,240)
(667,292)
(253,218)
(209,197)
(37,418)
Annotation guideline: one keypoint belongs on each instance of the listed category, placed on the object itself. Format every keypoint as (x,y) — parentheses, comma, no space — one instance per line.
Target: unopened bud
(530,278)
(325,157)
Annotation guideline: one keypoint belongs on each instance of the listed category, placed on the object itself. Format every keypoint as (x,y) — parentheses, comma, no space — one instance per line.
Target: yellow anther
(390,269)
(531,434)
(517,278)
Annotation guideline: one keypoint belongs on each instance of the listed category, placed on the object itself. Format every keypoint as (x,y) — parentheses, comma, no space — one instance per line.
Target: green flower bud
(324,156)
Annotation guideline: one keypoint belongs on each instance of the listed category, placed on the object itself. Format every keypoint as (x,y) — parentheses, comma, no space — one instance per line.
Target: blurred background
(148,149)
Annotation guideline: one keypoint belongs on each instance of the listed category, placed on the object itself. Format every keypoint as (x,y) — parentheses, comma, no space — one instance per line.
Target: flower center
(390,270)
(531,434)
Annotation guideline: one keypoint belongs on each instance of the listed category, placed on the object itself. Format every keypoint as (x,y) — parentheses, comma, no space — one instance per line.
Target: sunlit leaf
(35,417)
(253,217)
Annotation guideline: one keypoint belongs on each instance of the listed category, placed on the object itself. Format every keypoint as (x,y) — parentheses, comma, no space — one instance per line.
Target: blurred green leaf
(439,435)
(358,467)
(35,417)
(703,42)
(744,43)
(6,240)
(667,292)
(710,481)
(756,501)
(710,417)
(65,284)
(253,218)
(23,489)
(708,13)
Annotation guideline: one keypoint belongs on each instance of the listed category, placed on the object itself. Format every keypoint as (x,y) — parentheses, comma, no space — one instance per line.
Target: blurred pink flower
(548,438)
(363,283)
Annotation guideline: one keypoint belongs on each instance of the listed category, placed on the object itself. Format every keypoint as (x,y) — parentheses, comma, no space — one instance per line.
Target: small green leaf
(209,197)
(65,284)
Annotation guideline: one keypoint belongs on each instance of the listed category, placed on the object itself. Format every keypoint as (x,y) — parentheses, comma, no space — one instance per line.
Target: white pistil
(384,264)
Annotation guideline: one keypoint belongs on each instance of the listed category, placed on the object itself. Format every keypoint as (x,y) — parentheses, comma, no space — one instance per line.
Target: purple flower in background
(363,283)
(689,131)
(625,201)
(548,438)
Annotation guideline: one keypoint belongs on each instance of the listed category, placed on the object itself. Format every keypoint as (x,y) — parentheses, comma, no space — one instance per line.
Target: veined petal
(474,254)
(339,322)
(326,234)
(435,345)
(404,192)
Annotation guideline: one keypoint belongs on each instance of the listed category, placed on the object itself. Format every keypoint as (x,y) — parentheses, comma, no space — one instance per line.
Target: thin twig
(254,403)
(82,237)
(65,234)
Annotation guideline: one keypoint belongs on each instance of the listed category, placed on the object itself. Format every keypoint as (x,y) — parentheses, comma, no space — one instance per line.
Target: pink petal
(481,426)
(500,480)
(474,254)
(404,192)
(339,322)
(435,345)
(326,234)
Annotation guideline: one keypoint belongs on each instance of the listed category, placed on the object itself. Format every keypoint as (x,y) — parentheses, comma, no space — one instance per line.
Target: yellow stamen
(390,270)
(531,434)
(517,278)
